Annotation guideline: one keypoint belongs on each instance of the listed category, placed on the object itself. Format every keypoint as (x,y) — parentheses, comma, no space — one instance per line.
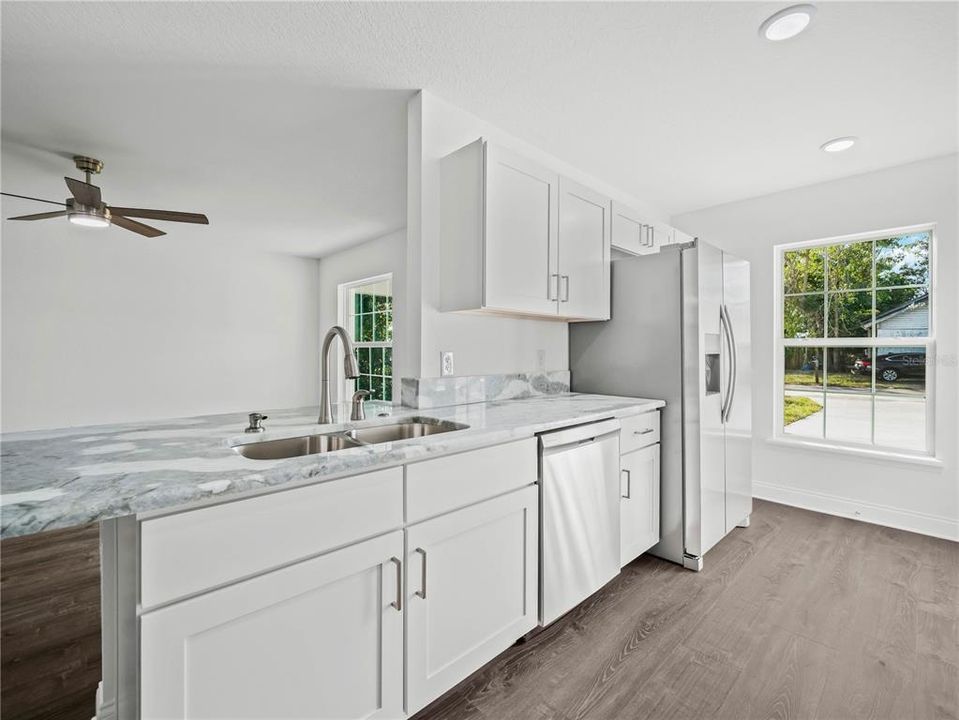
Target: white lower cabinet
(639,502)
(322,638)
(471,590)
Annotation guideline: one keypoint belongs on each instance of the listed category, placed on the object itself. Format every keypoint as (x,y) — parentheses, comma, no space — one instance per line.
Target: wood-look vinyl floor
(801,615)
(50,621)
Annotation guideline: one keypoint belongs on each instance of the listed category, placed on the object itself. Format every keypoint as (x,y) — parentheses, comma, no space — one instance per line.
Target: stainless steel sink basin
(404,429)
(294,447)
(401,429)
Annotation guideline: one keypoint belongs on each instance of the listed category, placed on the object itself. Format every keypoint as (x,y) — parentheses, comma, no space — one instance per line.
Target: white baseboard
(934,525)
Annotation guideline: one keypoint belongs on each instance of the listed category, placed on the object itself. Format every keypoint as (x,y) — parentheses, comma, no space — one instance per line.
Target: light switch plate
(446,363)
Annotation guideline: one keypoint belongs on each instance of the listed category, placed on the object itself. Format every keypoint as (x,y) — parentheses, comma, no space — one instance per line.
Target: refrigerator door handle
(727,337)
(733,364)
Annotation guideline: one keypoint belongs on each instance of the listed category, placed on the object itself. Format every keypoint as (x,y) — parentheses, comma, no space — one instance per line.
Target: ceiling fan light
(88,220)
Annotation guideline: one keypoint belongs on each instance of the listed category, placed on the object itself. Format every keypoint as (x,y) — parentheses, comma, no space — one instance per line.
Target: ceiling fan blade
(40,216)
(85,193)
(128,224)
(161,215)
(27,197)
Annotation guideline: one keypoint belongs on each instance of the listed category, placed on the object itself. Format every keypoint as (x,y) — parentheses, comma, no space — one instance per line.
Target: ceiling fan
(87,208)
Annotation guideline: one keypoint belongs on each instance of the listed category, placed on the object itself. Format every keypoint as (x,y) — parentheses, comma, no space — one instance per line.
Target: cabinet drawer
(639,431)
(192,551)
(437,486)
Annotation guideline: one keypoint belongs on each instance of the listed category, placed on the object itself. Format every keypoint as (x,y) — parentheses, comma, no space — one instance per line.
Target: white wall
(102,326)
(913,497)
(481,344)
(376,257)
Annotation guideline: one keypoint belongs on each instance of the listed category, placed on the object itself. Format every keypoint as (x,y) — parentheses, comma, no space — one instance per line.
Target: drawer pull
(647,431)
(398,603)
(422,591)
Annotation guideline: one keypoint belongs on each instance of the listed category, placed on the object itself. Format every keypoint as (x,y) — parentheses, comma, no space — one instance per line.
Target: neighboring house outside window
(853,334)
(366,311)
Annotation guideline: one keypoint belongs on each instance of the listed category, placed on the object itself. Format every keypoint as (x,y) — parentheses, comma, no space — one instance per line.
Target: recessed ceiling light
(838,144)
(787,23)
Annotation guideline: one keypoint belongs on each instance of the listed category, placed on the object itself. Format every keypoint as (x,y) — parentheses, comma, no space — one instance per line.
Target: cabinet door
(471,590)
(319,639)
(584,232)
(520,249)
(639,503)
(629,230)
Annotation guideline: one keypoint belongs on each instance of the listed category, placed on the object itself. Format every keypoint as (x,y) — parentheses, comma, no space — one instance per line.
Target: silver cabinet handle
(647,431)
(549,289)
(422,592)
(398,603)
(565,297)
(629,484)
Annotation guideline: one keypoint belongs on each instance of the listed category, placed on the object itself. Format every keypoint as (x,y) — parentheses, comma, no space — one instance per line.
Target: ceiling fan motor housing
(87,164)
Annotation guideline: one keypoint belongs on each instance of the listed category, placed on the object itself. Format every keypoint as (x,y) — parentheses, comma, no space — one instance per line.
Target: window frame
(780,343)
(346,386)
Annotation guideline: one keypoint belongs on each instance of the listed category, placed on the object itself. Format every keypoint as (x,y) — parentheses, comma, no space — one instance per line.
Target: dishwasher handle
(579,434)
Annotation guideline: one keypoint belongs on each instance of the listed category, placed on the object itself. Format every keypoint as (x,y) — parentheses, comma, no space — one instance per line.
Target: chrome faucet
(358,412)
(349,368)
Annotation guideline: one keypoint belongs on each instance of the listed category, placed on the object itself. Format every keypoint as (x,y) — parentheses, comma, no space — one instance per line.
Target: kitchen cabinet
(322,638)
(503,218)
(584,242)
(471,590)
(632,232)
(639,502)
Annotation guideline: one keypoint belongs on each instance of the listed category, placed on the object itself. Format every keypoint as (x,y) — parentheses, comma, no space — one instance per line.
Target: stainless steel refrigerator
(680,332)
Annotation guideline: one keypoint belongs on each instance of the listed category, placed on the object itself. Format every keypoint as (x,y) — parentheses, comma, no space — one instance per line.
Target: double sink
(403,429)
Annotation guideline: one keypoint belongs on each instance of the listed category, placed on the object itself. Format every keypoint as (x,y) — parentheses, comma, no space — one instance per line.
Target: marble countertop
(61,478)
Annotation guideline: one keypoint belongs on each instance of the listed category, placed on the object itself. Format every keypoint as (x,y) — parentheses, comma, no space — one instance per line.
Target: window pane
(850,266)
(803,271)
(849,394)
(363,360)
(850,314)
(903,260)
(802,387)
(901,422)
(388,389)
(381,327)
(376,361)
(388,362)
(803,316)
(901,371)
(357,327)
(849,416)
(903,312)
(848,370)
(367,333)
(367,303)
(363,382)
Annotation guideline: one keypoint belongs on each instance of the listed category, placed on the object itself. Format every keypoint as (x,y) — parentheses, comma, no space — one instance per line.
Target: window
(854,331)
(366,310)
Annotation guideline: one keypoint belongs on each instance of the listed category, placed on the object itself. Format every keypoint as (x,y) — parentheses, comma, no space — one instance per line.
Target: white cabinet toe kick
(360,597)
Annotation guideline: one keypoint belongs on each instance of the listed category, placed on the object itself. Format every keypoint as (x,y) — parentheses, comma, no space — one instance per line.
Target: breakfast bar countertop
(62,478)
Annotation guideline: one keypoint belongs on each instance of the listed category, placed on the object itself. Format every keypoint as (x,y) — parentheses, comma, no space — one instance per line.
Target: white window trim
(780,343)
(345,386)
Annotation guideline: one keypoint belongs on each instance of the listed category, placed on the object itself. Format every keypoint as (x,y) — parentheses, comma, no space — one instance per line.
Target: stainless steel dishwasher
(579,514)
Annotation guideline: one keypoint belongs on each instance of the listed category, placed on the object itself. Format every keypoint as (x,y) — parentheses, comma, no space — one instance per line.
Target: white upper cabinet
(584,232)
(631,231)
(636,234)
(501,217)
(521,234)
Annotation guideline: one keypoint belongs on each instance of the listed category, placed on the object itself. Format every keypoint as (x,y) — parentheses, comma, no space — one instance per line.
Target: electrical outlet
(446,363)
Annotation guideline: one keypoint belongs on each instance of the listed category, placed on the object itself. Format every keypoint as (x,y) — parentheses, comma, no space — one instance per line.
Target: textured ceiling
(286,122)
